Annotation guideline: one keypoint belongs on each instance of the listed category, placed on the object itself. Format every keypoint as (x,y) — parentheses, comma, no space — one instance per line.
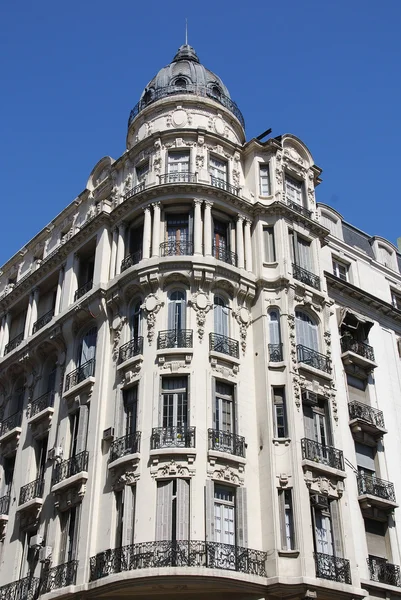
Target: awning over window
(352,319)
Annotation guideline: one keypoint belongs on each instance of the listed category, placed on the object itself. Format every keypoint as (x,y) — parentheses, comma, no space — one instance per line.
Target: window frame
(269,244)
(212,168)
(276,403)
(169,163)
(336,263)
(290,178)
(264,166)
(287,521)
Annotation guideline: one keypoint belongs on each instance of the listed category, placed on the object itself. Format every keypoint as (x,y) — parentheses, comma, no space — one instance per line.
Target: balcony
(10,424)
(135,190)
(357,353)
(314,359)
(131,349)
(147,555)
(23,589)
(275,352)
(224,345)
(306,277)
(222,184)
(175,248)
(172,437)
(323,455)
(14,343)
(71,467)
(299,209)
(31,492)
(4,508)
(375,493)
(43,321)
(175,338)
(184,177)
(79,375)
(384,572)
(130,260)
(10,431)
(225,255)
(83,290)
(125,446)
(366,419)
(333,568)
(223,441)
(59,577)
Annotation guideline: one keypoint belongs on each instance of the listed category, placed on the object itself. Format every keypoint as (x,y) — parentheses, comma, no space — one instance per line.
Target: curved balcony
(313,358)
(306,277)
(333,568)
(223,441)
(299,209)
(123,446)
(14,343)
(184,177)
(200,91)
(384,572)
(134,190)
(225,255)
(43,321)
(175,248)
(130,260)
(320,454)
(175,338)
(222,184)
(172,437)
(365,418)
(224,345)
(78,375)
(375,493)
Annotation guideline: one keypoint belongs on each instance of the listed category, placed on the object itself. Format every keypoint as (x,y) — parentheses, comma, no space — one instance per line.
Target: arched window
(306,330)
(176,310)
(220,316)
(135,320)
(215,91)
(87,347)
(275,347)
(180,82)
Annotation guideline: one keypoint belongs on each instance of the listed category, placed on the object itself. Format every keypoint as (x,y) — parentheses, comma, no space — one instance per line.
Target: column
(34,311)
(6,332)
(112,270)
(28,317)
(2,327)
(207,236)
(248,245)
(156,229)
(198,226)
(102,257)
(240,242)
(146,233)
(120,246)
(57,303)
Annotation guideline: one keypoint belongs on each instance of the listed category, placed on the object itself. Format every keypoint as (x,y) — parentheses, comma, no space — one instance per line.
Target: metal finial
(186,32)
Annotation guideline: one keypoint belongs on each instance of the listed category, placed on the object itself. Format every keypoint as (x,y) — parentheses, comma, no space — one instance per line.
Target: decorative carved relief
(121,479)
(151,307)
(243,319)
(223,370)
(201,305)
(173,468)
(116,335)
(70,497)
(226,473)
(324,486)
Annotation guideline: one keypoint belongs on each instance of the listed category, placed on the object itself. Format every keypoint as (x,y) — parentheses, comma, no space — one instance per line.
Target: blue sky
(327,71)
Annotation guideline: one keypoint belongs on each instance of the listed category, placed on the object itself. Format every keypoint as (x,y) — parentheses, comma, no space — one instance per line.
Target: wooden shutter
(82,428)
(336,528)
(129,515)
(209,510)
(309,423)
(304,253)
(281,508)
(241,516)
(164,515)
(214,400)
(64,525)
(182,520)
(171,314)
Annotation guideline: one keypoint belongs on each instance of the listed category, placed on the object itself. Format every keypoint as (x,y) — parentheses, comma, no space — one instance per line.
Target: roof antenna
(186,32)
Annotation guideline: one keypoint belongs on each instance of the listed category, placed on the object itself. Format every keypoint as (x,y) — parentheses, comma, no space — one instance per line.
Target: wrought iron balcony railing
(368,484)
(23,589)
(333,568)
(131,349)
(299,209)
(43,321)
(222,184)
(83,290)
(226,442)
(225,255)
(39,404)
(327,455)
(223,344)
(11,422)
(14,343)
(129,444)
(59,577)
(130,260)
(275,352)
(134,190)
(175,338)
(384,572)
(184,177)
(174,248)
(359,410)
(72,466)
(32,490)
(306,277)
(186,553)
(197,90)
(348,344)
(83,372)
(172,437)
(313,358)
(4,504)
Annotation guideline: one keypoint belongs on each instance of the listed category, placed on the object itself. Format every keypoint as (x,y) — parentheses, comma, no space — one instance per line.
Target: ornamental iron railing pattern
(43,321)
(275,352)
(175,338)
(327,455)
(135,190)
(129,444)
(359,410)
(333,568)
(222,184)
(368,484)
(83,290)
(223,344)
(4,504)
(184,177)
(72,466)
(175,248)
(225,255)
(185,553)
(172,437)
(299,209)
(313,358)
(23,589)
(41,403)
(224,441)
(306,277)
(83,372)
(131,349)
(14,343)
(384,572)
(349,344)
(32,490)
(130,260)
(197,90)
(59,577)
(11,422)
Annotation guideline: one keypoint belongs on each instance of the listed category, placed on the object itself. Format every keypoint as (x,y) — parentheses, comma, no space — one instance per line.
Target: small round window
(180,83)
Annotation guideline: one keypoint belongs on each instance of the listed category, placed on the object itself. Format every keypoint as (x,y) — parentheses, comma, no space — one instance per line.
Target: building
(200,374)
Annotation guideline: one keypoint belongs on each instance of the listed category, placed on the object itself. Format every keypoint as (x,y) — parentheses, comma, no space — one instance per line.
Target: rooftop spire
(186,31)
(186,52)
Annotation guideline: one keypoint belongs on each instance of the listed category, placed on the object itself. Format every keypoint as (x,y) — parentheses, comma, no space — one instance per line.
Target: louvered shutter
(214,402)
(209,510)
(281,508)
(182,509)
(309,427)
(336,528)
(64,526)
(164,510)
(365,457)
(241,516)
(304,253)
(129,515)
(82,428)
(182,314)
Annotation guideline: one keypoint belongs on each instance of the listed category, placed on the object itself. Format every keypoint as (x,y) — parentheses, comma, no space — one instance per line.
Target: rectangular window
(317,423)
(142,172)
(286,519)
(119,496)
(177,228)
(221,242)
(8,467)
(69,534)
(279,412)
(174,402)
(376,533)
(30,556)
(323,531)
(135,240)
(340,270)
(301,251)
(224,515)
(178,162)
(365,458)
(396,300)
(269,245)
(41,457)
(218,168)
(172,510)
(130,397)
(223,414)
(357,389)
(293,190)
(264,180)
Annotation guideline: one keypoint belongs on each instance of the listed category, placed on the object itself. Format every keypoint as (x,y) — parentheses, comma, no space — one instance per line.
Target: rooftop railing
(327,455)
(348,344)
(72,466)
(368,484)
(313,358)
(359,410)
(224,441)
(333,568)
(78,375)
(305,276)
(131,349)
(172,437)
(129,444)
(223,344)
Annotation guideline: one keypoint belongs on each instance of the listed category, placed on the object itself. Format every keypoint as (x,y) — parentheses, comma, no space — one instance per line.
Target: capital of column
(248,221)
(122,226)
(156,205)
(146,209)
(240,218)
(198,202)
(208,203)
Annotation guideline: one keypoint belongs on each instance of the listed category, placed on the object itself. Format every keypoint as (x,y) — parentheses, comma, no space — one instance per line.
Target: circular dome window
(180,83)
